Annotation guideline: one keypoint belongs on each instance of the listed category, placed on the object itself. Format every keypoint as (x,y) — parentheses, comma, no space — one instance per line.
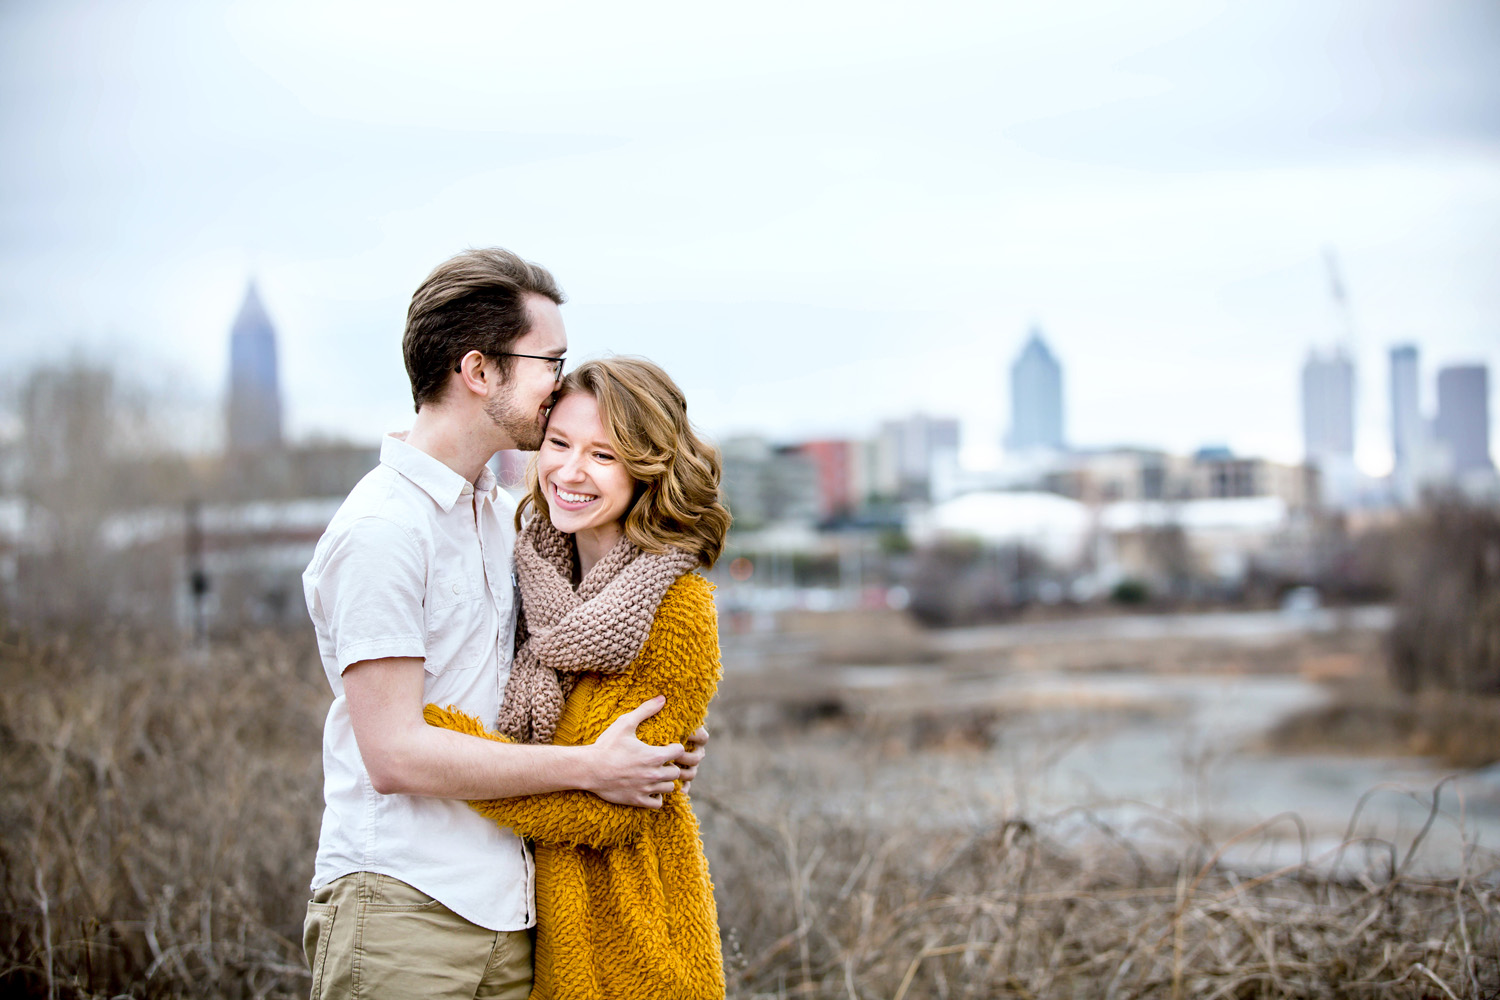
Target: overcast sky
(814,215)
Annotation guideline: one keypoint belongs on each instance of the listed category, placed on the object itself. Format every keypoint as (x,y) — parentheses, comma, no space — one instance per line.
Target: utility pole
(198,582)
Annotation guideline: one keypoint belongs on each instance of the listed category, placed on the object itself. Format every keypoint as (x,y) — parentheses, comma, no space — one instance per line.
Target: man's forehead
(546,335)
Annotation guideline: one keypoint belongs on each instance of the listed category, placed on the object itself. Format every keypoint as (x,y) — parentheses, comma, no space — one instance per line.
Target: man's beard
(524,429)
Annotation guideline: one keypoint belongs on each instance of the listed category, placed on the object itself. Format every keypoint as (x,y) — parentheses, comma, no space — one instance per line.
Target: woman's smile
(572,500)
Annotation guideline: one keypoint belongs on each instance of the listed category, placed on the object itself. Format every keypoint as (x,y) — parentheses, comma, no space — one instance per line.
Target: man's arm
(404,755)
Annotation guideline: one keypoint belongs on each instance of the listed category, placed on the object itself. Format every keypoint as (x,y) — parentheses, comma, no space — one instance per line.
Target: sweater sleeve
(681,661)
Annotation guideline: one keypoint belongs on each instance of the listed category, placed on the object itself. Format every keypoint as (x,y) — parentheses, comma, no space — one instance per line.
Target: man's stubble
(524,429)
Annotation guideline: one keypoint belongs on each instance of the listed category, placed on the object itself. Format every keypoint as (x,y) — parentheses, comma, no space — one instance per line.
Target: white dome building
(1053,526)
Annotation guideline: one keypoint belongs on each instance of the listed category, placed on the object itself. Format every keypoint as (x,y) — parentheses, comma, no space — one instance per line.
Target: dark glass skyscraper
(1036,401)
(1463,416)
(254,409)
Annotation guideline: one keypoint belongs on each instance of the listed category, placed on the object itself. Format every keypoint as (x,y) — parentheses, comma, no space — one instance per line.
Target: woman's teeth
(575,497)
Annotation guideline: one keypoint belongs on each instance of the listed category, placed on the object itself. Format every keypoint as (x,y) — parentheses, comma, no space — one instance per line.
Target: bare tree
(80,437)
(1447,632)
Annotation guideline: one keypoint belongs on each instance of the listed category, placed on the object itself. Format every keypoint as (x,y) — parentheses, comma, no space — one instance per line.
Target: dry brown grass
(158,813)
(838,877)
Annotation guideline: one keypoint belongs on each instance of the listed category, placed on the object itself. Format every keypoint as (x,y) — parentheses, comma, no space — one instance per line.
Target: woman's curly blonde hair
(677,501)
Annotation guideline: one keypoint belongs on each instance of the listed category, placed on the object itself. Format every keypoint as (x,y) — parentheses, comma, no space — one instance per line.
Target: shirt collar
(441,483)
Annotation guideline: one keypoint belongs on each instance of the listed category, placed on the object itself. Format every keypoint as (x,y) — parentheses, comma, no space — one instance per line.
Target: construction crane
(1340,300)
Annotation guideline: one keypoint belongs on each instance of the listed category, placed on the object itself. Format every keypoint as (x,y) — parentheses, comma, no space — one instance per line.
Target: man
(410,591)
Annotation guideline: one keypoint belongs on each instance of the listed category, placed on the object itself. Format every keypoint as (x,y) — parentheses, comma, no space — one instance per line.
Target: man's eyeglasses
(556,364)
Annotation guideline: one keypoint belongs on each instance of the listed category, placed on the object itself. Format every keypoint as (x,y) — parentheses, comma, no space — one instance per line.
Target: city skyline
(1329,391)
(1427,450)
(812,231)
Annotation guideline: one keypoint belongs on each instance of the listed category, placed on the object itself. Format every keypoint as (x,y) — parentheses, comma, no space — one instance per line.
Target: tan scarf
(562,632)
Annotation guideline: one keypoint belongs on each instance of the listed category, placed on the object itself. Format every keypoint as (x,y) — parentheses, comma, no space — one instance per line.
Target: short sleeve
(371,592)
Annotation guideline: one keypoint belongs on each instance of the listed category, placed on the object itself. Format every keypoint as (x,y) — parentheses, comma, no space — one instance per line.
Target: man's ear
(472,373)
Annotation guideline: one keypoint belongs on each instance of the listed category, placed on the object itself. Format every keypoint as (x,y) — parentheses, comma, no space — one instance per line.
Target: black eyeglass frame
(558,362)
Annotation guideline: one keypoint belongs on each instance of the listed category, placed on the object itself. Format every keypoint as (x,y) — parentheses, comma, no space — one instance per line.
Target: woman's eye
(604,456)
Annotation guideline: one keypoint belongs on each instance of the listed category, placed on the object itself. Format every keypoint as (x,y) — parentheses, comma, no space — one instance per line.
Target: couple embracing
(519,693)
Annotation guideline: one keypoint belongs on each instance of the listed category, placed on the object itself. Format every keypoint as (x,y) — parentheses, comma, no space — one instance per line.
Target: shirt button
(455,588)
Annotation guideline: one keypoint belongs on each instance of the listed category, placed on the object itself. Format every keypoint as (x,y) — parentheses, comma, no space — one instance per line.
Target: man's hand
(692,755)
(628,772)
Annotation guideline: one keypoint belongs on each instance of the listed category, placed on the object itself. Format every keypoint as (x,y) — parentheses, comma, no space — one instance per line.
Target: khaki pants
(373,937)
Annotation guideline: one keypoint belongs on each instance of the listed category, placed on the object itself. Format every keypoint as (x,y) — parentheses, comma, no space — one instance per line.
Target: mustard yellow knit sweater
(625,907)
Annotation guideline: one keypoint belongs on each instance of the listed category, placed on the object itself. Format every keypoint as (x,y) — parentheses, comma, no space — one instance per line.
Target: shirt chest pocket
(450,587)
(462,623)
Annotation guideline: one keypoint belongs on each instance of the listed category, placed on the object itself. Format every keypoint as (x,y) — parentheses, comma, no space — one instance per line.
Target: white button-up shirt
(417,562)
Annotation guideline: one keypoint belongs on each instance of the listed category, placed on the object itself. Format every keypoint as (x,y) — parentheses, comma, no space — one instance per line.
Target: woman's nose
(572,468)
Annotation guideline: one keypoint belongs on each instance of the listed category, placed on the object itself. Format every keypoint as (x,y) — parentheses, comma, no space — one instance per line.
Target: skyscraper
(1328,407)
(1406,424)
(1036,400)
(254,409)
(1328,425)
(1463,417)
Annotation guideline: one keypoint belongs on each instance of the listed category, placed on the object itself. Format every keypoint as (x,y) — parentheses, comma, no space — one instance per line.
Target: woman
(626,501)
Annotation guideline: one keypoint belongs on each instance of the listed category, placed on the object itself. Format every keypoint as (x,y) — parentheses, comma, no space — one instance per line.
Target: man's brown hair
(475,301)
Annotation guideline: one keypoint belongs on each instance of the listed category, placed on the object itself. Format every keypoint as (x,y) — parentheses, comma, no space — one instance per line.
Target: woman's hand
(693,753)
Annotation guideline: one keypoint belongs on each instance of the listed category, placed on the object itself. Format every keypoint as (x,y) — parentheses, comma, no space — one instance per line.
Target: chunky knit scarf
(562,632)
